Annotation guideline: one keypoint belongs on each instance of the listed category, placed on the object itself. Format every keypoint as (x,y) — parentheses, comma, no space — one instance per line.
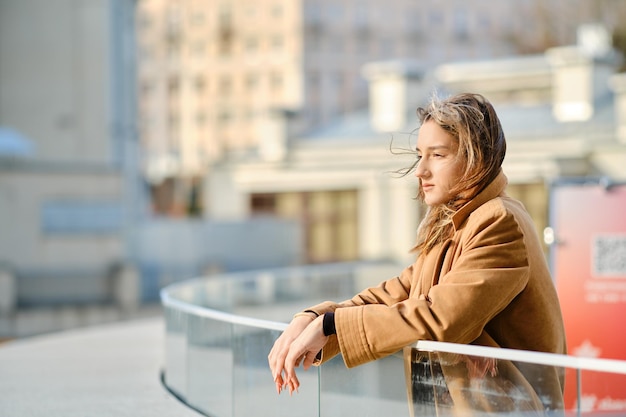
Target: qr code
(609,255)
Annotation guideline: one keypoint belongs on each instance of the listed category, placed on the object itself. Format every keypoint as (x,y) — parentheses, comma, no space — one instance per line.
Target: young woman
(480,276)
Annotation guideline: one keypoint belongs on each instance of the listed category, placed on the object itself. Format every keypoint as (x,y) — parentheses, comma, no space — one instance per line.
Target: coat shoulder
(499,209)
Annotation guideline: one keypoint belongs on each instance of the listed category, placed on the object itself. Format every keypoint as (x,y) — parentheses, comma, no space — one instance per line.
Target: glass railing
(446,379)
(219,331)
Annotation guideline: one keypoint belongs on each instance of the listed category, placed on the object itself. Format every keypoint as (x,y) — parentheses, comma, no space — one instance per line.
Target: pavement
(105,370)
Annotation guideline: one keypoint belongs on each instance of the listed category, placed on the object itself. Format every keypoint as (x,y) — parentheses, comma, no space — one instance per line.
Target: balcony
(219,331)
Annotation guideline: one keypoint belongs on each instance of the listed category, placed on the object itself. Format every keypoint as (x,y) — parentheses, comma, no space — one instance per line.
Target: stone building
(213,74)
(69,187)
(562,112)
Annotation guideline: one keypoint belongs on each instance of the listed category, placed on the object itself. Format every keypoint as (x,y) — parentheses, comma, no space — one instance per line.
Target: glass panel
(220,368)
(602,394)
(570,394)
(447,384)
(254,390)
(373,389)
(210,366)
(176,351)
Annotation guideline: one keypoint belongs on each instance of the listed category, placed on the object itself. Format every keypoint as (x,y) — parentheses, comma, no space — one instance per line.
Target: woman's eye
(418,157)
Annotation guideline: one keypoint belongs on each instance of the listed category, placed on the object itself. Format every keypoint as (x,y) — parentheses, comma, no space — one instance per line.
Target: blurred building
(68,181)
(214,74)
(71,196)
(563,113)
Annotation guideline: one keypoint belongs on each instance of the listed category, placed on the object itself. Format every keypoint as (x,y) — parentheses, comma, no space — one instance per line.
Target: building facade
(66,88)
(562,113)
(213,73)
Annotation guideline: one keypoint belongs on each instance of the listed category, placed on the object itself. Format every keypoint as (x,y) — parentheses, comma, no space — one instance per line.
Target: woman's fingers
(282,368)
(279,351)
(291,384)
(309,359)
(286,377)
(289,352)
(279,384)
(276,358)
(294,384)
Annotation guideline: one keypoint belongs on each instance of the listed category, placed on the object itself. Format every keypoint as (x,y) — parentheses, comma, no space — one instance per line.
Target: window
(248,115)
(69,217)
(387,47)
(329,220)
(252,81)
(331,226)
(224,116)
(276,80)
(173,86)
(225,30)
(436,19)
(314,40)
(146,88)
(250,10)
(173,19)
(200,119)
(339,81)
(461,30)
(225,41)
(199,49)
(173,129)
(335,12)
(262,204)
(484,22)
(225,86)
(361,15)
(314,80)
(338,45)
(252,44)
(313,13)
(198,18)
(173,50)
(277,42)
(144,21)
(173,119)
(199,84)
(277,10)
(225,15)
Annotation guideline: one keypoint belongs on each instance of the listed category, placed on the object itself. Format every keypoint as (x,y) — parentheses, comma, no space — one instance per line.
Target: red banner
(589,265)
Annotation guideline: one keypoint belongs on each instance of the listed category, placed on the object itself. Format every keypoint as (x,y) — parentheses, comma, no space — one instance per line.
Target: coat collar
(494,189)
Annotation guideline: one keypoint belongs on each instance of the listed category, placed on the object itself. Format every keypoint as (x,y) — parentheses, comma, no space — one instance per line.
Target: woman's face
(438,169)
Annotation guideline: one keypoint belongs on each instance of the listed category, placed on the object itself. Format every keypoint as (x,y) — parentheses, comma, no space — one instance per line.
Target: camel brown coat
(487,285)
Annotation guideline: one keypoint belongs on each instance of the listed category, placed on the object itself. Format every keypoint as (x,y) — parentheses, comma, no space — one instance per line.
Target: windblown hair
(473,122)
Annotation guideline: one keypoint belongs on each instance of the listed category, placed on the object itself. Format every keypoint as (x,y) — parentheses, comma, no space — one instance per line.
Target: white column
(126,288)
(618,85)
(224,199)
(8,292)
(404,209)
(370,235)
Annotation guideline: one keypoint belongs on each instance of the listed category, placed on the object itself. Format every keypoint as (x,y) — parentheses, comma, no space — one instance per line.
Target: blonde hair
(473,122)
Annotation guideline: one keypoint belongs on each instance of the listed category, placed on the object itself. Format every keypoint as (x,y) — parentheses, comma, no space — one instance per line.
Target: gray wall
(167,251)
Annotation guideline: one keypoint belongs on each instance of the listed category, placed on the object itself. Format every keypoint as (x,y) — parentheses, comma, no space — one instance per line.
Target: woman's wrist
(328,324)
(307,313)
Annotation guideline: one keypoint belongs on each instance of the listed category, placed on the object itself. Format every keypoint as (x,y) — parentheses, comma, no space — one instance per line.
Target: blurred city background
(151,141)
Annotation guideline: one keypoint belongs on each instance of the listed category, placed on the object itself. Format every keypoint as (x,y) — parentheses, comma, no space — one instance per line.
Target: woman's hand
(279,351)
(304,349)
(300,342)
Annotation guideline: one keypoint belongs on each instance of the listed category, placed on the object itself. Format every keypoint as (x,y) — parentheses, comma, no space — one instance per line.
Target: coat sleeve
(489,270)
(387,293)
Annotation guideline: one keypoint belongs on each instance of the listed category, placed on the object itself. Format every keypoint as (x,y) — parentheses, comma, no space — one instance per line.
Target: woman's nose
(420,169)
